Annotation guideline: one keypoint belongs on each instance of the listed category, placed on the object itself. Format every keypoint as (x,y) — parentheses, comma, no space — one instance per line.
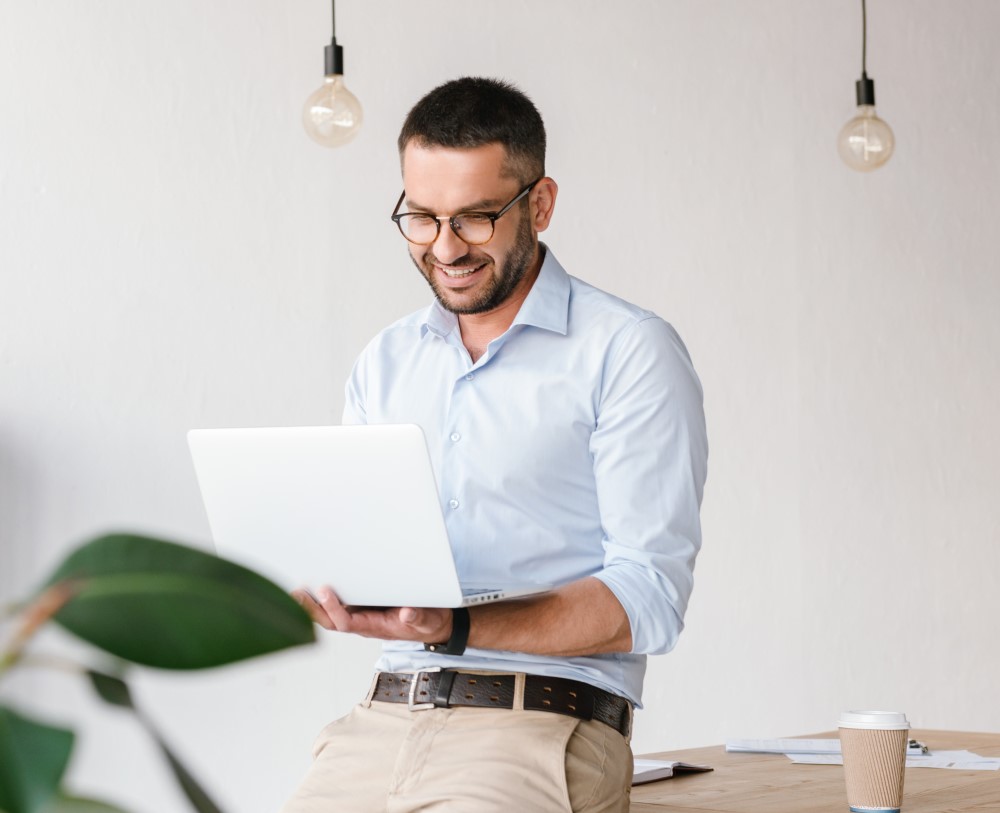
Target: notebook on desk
(652,770)
(353,507)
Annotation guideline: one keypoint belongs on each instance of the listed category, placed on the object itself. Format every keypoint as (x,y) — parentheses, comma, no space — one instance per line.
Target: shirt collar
(545,307)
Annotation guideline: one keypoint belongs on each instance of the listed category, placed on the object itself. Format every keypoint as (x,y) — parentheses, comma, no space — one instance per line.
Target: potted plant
(140,601)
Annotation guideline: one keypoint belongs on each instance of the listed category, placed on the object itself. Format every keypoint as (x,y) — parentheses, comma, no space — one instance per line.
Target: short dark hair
(474,111)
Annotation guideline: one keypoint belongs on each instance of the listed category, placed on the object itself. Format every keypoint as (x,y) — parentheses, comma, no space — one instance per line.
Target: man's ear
(543,203)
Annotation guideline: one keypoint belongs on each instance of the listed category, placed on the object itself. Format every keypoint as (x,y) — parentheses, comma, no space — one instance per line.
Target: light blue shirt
(575,446)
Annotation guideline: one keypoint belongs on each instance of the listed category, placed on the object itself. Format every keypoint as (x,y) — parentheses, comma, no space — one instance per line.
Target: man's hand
(580,618)
(428,625)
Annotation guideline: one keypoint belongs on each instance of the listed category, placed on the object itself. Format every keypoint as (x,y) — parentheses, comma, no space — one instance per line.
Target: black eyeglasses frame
(397,216)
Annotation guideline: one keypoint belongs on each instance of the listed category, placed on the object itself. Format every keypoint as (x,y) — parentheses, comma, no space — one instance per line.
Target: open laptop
(354,507)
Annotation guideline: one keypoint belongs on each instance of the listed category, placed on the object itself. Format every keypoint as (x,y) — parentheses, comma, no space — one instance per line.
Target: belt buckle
(411,703)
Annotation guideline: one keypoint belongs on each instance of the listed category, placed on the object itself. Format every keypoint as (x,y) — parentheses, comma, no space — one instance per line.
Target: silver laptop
(354,507)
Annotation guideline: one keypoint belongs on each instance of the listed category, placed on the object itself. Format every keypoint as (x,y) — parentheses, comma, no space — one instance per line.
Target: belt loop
(443,694)
(519,680)
(367,702)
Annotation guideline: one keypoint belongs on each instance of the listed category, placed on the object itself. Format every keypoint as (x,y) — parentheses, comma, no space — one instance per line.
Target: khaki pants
(382,757)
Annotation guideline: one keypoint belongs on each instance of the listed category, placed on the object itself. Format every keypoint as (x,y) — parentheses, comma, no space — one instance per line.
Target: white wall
(174,252)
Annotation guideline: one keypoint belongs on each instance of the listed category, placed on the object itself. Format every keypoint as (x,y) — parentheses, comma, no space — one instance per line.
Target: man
(568,438)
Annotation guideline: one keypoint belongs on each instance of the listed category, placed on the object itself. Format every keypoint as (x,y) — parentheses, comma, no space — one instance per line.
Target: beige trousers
(382,757)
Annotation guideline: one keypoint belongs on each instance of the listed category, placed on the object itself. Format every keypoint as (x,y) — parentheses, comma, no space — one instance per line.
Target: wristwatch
(459,634)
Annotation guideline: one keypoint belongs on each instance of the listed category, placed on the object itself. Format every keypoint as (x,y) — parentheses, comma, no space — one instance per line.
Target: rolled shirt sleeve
(650,453)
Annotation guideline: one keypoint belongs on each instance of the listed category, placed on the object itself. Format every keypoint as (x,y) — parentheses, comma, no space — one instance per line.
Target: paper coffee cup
(873,744)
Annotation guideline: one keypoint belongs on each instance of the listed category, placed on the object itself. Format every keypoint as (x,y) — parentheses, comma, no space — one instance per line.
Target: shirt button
(469,377)
(453,503)
(455,437)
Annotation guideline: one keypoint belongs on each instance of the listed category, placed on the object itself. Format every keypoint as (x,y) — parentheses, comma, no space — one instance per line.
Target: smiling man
(462,267)
(568,439)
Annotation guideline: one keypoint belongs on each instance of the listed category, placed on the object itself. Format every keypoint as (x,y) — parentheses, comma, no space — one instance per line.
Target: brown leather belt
(447,687)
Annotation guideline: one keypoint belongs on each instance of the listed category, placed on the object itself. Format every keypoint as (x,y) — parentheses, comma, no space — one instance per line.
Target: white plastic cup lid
(886,720)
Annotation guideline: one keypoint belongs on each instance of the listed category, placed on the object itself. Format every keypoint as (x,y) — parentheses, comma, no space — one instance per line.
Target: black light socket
(334,58)
(865,90)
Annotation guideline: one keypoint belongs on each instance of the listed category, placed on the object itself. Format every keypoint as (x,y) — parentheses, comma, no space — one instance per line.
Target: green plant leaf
(33,757)
(166,605)
(74,804)
(111,689)
(115,691)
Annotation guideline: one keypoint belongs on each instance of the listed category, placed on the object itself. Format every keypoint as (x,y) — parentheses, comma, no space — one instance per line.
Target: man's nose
(448,246)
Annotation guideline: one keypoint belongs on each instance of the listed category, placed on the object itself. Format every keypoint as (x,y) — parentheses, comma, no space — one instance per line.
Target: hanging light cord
(333,12)
(864,38)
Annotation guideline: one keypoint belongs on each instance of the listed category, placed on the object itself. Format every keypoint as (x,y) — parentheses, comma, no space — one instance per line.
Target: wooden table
(771,783)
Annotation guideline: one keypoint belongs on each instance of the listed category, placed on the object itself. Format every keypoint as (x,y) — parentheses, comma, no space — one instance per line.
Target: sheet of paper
(790,746)
(784,746)
(952,760)
(816,759)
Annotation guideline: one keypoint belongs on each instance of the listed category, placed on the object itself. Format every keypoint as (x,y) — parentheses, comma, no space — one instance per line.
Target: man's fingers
(426,624)
(400,623)
(308,603)
(339,615)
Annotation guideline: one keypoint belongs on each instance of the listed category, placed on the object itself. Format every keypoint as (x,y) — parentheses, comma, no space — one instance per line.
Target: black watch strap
(459,634)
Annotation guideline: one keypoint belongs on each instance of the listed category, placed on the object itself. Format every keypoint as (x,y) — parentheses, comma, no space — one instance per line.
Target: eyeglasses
(472,228)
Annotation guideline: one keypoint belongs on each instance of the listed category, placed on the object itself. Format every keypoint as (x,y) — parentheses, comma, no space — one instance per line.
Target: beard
(495,289)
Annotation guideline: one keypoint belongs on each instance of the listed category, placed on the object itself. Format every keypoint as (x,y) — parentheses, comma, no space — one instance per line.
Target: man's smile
(459,273)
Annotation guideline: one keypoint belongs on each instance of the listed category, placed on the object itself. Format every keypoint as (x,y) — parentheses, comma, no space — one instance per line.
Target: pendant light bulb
(332,115)
(865,142)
